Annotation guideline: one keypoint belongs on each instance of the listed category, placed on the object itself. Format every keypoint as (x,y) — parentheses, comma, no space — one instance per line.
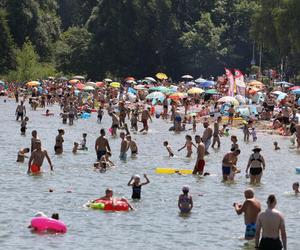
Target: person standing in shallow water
(270,224)
(101,145)
(256,164)
(185,201)
(58,148)
(251,208)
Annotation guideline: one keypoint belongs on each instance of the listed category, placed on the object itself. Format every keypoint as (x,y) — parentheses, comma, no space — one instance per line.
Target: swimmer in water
(135,183)
(132,145)
(188,144)
(22,154)
(75,147)
(168,147)
(83,142)
(296,187)
(234,144)
(276,147)
(185,201)
(23,125)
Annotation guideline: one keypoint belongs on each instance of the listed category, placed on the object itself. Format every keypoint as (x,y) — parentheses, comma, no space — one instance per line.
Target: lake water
(156,223)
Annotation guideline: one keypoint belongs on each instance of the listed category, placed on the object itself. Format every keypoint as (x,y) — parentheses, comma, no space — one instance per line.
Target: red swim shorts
(200,166)
(35,168)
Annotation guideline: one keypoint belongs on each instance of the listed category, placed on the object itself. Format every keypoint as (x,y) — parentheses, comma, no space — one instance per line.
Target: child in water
(253,133)
(168,147)
(185,201)
(21,154)
(83,142)
(246,131)
(188,144)
(276,147)
(75,147)
(135,183)
(194,123)
(234,144)
(23,125)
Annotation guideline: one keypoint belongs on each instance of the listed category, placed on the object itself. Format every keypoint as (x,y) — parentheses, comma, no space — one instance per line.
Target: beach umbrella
(88,88)
(107,80)
(284,83)
(131,82)
(2,83)
(211,92)
(151,79)
(79,86)
(188,84)
(296,91)
(100,84)
(177,95)
(93,84)
(206,84)
(73,81)
(115,84)
(161,76)
(200,80)
(160,89)
(281,96)
(229,99)
(294,88)
(140,87)
(195,91)
(187,77)
(78,77)
(33,83)
(156,95)
(62,78)
(277,92)
(241,99)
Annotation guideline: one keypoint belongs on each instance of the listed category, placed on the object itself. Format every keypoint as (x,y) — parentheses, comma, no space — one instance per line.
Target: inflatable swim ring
(44,223)
(119,205)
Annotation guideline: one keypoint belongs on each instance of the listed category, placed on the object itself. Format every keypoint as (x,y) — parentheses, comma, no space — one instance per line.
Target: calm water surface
(156,224)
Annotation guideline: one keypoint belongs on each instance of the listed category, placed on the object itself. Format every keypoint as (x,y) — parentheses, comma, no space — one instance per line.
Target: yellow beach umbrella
(33,83)
(161,76)
(195,91)
(115,84)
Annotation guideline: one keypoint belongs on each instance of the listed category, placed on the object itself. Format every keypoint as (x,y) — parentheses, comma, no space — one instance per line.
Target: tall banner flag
(231,82)
(239,82)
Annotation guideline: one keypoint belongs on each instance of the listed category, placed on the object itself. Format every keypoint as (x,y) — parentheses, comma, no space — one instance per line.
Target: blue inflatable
(85,116)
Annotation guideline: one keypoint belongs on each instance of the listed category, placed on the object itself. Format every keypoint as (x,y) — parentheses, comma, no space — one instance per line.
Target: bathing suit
(123,156)
(145,124)
(23,129)
(256,171)
(35,168)
(100,153)
(226,170)
(250,230)
(200,166)
(270,243)
(115,126)
(136,192)
(134,152)
(56,148)
(207,143)
(231,114)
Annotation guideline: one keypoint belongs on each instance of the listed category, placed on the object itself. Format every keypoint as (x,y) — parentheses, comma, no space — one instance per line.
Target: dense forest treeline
(141,37)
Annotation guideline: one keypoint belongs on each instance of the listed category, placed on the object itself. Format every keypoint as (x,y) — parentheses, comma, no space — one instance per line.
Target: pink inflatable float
(44,223)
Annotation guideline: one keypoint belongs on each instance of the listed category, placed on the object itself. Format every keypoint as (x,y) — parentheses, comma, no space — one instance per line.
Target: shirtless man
(20,111)
(37,158)
(271,222)
(132,145)
(228,164)
(216,133)
(200,163)
(144,119)
(109,196)
(206,137)
(34,140)
(101,145)
(251,208)
(22,154)
(124,147)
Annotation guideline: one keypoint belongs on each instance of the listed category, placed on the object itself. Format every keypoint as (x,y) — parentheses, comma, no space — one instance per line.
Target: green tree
(7,47)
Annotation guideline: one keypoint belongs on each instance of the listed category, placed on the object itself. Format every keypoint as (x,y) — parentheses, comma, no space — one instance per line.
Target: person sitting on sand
(185,201)
(296,187)
(22,154)
(276,147)
(109,197)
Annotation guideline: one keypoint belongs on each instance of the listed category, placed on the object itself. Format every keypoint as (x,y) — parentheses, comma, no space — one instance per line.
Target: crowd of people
(124,108)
